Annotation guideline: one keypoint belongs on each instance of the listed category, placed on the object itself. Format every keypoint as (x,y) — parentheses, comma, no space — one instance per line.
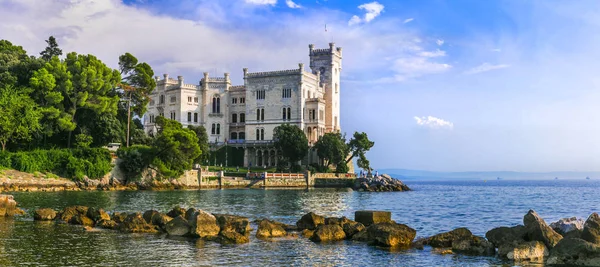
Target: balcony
(216,115)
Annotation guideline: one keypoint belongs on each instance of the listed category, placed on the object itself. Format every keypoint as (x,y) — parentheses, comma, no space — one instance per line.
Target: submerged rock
(529,251)
(474,246)
(270,229)
(44,214)
(230,237)
(445,239)
(328,232)
(575,252)
(310,221)
(591,229)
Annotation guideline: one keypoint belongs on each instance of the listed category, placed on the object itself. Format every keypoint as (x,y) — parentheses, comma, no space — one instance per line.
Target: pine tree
(51,50)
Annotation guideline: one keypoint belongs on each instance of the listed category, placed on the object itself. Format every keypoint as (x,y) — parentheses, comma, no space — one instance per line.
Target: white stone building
(244,116)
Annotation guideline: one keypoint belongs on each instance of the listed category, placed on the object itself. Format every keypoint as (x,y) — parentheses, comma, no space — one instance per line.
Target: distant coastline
(405,174)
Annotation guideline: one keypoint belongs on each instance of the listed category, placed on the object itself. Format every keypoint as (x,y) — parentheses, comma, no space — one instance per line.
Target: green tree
(359,145)
(84,82)
(202,142)
(51,50)
(332,149)
(16,67)
(291,143)
(19,116)
(83,140)
(176,147)
(139,78)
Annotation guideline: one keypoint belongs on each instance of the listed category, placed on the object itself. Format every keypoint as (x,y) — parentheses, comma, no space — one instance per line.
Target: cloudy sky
(437,84)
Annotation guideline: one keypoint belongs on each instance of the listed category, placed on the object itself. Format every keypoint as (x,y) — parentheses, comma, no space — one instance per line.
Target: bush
(134,160)
(5,160)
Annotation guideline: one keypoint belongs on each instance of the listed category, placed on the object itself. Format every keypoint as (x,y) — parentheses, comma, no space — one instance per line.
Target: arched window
(284,114)
(162,99)
(218,128)
(262,114)
(289,113)
(234,136)
(242,117)
(234,118)
(262,134)
(257,134)
(258,114)
(216,104)
(242,135)
(213,129)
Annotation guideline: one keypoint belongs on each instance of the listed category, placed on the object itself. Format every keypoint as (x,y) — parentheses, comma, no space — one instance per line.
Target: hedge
(71,163)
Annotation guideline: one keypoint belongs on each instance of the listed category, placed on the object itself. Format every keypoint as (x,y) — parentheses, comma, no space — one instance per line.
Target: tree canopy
(51,50)
(138,82)
(332,149)
(19,116)
(291,143)
(202,142)
(359,145)
(176,148)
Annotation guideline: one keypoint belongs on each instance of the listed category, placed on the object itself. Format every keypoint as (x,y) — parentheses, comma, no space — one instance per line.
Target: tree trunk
(3,146)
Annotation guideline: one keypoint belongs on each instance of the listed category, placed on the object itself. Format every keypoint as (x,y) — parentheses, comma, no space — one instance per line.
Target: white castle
(245,116)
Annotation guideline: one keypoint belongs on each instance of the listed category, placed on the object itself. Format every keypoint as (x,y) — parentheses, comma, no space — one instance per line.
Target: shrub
(5,161)
(134,160)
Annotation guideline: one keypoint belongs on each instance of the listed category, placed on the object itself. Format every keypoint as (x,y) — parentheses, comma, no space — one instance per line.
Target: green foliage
(70,163)
(19,116)
(83,141)
(359,145)
(176,147)
(51,50)
(202,142)
(332,148)
(291,142)
(138,80)
(134,160)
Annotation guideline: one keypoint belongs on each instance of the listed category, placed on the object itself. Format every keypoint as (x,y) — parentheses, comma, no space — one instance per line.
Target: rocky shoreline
(569,241)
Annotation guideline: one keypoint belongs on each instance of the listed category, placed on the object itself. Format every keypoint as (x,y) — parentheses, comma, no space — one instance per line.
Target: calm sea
(431,208)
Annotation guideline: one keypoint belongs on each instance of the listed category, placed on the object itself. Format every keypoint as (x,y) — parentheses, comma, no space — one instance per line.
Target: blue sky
(437,84)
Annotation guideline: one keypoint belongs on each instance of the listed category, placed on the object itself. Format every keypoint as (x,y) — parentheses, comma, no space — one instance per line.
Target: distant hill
(487,175)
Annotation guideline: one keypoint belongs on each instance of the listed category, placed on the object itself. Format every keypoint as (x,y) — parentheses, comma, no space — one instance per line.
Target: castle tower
(328,64)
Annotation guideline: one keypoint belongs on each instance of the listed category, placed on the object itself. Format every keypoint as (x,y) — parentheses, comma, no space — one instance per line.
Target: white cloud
(486,67)
(372,10)
(433,122)
(291,4)
(439,42)
(262,2)
(436,53)
(408,20)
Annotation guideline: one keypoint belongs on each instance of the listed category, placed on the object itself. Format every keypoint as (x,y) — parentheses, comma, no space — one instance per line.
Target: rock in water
(307,233)
(8,206)
(160,220)
(310,221)
(368,217)
(566,225)
(327,233)
(179,226)
(204,225)
(81,220)
(107,224)
(269,229)
(135,223)
(446,239)
(351,228)
(390,234)
(119,217)
(97,214)
(506,235)
(591,229)
(382,183)
(67,213)
(233,223)
(574,252)
(537,230)
(474,246)
(230,237)
(529,251)
(176,211)
(44,214)
(148,215)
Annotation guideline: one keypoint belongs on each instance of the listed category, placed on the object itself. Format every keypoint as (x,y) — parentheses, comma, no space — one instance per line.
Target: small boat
(555,178)
(587,178)
(498,178)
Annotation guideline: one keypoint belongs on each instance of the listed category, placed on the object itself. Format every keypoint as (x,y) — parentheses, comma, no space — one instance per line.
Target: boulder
(190,213)
(307,233)
(269,229)
(204,225)
(506,235)
(445,239)
(528,251)
(160,220)
(97,214)
(230,237)
(310,221)
(149,214)
(351,228)
(591,229)
(368,217)
(566,225)
(176,211)
(81,220)
(536,229)
(387,234)
(574,252)
(44,214)
(337,220)
(119,217)
(107,224)
(179,226)
(473,245)
(135,223)
(8,206)
(328,232)
(68,212)
(233,223)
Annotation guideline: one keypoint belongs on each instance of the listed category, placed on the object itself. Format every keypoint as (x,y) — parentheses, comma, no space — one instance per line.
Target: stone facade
(246,115)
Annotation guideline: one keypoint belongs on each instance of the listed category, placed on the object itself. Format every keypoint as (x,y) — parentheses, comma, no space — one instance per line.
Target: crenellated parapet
(272,73)
(332,50)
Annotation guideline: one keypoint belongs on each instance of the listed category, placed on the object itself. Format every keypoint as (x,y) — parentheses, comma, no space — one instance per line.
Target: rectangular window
(260,94)
(189,116)
(173,115)
(195,116)
(195,99)
(234,118)
(234,100)
(258,114)
(284,114)
(286,93)
(212,129)
(262,114)
(173,99)
(242,117)
(242,100)
(189,99)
